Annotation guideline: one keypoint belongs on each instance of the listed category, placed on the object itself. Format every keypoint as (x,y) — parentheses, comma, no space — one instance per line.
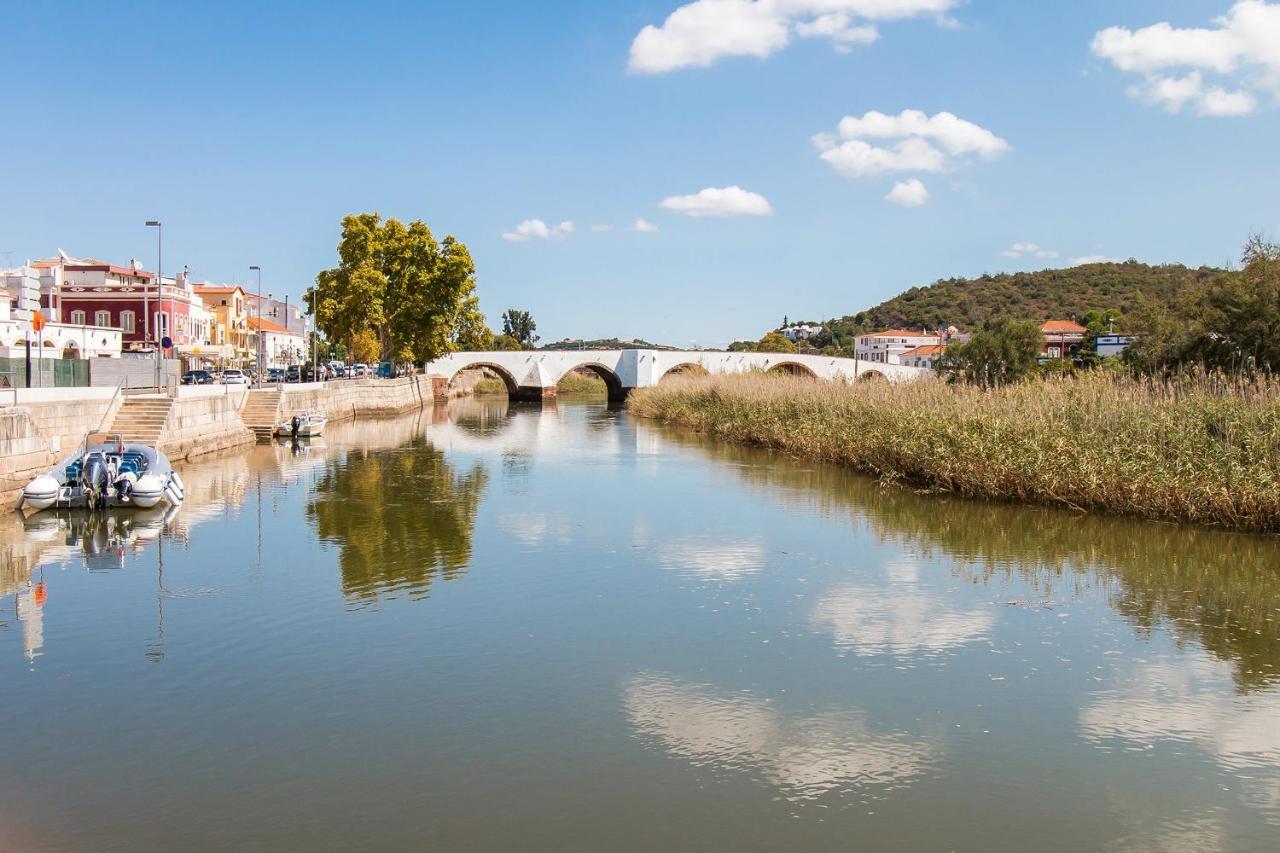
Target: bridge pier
(534,394)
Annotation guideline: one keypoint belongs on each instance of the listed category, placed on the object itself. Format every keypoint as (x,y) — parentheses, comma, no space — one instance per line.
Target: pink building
(90,292)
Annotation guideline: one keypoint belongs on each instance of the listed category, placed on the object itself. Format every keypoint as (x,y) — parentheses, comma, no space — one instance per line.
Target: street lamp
(146,304)
(258,339)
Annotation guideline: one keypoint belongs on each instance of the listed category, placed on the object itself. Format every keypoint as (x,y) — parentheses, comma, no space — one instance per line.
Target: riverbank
(1198,450)
(38,427)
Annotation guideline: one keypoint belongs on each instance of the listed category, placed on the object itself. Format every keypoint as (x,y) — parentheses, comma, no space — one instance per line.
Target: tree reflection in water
(400,518)
(1216,588)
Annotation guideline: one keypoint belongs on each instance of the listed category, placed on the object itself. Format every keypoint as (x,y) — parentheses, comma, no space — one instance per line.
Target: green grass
(585,384)
(1200,449)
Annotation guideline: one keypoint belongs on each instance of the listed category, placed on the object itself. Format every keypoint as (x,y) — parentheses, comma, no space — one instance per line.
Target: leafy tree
(506,343)
(1004,351)
(364,346)
(413,293)
(1230,323)
(743,346)
(473,335)
(519,325)
(775,342)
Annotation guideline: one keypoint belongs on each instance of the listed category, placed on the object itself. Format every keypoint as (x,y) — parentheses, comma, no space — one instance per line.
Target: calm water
(557,629)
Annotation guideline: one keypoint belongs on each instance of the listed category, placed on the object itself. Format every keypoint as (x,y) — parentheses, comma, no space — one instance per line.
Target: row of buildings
(93,308)
(921,348)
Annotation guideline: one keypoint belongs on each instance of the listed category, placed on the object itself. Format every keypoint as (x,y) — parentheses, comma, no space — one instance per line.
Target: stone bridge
(534,374)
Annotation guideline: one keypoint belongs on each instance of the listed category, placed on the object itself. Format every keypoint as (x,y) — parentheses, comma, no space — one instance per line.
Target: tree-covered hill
(1065,294)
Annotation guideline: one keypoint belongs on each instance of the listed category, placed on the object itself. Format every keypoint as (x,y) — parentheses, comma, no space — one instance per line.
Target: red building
(90,292)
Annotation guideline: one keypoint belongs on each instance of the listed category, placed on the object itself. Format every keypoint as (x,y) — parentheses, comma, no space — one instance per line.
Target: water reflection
(1219,590)
(399,518)
(804,755)
(710,558)
(901,619)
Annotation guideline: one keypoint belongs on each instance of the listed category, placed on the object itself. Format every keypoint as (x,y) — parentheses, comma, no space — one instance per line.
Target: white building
(1113,346)
(278,346)
(925,356)
(887,347)
(23,286)
(800,332)
(56,340)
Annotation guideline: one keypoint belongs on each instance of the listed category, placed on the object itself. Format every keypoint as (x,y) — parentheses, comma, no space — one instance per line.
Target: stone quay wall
(40,426)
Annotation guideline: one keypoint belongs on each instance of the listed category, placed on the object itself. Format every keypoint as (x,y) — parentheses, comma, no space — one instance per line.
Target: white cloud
(536,228)
(725,201)
(713,559)
(600,229)
(1243,47)
(699,33)
(909,193)
(926,143)
(1094,259)
(802,755)
(956,135)
(644,226)
(1028,250)
(901,620)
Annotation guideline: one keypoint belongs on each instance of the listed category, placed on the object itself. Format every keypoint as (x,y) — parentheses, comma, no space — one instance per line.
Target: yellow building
(229,330)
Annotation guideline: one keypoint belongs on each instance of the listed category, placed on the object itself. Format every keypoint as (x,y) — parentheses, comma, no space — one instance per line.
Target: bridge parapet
(534,374)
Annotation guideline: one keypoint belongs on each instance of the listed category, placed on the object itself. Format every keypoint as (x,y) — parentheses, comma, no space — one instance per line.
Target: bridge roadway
(534,374)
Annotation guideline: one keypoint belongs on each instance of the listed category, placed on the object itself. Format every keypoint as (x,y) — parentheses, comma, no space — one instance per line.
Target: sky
(683,172)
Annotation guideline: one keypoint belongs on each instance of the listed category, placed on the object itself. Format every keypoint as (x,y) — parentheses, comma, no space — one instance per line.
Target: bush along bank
(1202,449)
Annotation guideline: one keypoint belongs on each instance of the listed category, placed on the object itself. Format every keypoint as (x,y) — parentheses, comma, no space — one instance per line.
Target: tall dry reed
(1203,449)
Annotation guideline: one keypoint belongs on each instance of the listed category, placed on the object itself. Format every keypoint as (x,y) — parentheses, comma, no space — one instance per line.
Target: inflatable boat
(105,473)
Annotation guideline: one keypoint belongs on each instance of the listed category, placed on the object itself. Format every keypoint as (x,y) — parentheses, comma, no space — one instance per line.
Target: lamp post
(258,338)
(146,304)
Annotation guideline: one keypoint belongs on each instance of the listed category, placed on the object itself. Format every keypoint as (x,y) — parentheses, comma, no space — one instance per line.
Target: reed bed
(1202,449)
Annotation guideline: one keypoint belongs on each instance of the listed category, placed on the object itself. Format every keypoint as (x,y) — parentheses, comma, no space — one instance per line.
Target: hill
(1058,294)
(603,343)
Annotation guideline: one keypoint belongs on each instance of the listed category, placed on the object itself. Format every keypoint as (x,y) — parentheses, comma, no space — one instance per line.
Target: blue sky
(252,128)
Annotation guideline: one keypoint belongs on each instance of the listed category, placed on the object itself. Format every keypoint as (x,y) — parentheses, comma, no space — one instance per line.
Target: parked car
(275,374)
(338,371)
(197,377)
(359,370)
(293,373)
(234,377)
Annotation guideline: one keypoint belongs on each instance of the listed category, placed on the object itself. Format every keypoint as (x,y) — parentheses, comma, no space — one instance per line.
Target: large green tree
(416,294)
(519,324)
(1231,322)
(1004,351)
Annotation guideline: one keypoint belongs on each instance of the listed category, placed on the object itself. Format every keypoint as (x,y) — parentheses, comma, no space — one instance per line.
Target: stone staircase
(261,412)
(141,420)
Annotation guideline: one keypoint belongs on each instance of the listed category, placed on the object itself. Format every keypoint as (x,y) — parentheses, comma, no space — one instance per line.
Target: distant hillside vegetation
(603,343)
(1065,294)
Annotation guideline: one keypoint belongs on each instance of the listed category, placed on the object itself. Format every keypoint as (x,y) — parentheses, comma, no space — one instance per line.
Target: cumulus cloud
(644,226)
(698,34)
(909,193)
(1242,49)
(1028,250)
(530,229)
(713,559)
(1094,259)
(803,756)
(924,143)
(724,201)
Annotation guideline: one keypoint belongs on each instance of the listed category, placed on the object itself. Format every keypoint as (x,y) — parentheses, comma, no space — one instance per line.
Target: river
(555,628)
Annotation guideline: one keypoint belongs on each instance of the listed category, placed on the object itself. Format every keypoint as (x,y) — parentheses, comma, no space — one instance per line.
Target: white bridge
(534,374)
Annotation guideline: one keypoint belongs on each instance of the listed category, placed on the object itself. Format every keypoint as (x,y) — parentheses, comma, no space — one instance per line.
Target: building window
(127,322)
(102,318)
(77,318)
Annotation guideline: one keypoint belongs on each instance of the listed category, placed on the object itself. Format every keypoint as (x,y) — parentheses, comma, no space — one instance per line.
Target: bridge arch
(687,368)
(793,368)
(611,380)
(501,372)
(872,376)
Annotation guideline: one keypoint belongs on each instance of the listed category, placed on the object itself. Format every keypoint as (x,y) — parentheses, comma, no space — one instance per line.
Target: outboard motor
(93,481)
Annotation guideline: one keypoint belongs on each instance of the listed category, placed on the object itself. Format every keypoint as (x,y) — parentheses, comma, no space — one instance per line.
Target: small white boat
(303,425)
(106,473)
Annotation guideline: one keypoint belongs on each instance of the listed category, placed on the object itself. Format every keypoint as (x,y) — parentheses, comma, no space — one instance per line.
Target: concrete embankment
(38,426)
